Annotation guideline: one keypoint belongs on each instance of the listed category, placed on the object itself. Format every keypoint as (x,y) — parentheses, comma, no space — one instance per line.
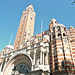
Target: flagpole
(10,39)
(42,28)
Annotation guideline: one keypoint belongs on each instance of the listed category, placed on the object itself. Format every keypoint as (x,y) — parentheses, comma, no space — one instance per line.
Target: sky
(11,11)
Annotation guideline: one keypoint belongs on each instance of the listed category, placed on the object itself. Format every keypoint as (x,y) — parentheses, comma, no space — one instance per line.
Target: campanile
(26,26)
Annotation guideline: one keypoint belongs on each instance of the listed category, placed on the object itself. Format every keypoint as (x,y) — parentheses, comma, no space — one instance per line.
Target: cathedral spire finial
(30,7)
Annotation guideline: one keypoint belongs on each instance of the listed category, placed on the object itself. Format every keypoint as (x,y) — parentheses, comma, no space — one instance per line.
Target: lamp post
(14,71)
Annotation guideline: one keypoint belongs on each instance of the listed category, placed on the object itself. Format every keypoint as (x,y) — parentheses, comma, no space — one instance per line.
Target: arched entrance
(19,64)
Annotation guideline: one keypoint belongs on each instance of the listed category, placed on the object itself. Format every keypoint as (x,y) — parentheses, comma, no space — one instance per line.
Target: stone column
(0,67)
(34,58)
(40,57)
(32,68)
(43,58)
(47,58)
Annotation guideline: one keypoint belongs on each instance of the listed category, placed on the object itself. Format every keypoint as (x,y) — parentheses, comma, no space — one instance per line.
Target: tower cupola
(53,22)
(30,7)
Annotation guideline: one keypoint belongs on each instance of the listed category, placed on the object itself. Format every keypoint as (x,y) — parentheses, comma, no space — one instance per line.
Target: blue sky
(11,12)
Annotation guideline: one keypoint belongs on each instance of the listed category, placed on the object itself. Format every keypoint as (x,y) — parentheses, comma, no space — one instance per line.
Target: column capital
(34,51)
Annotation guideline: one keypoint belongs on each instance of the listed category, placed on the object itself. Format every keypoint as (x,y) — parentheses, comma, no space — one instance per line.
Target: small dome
(53,21)
(9,46)
(60,25)
(46,36)
(71,27)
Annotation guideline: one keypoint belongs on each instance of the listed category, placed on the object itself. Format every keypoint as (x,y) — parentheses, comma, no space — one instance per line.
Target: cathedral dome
(61,25)
(9,47)
(53,21)
(71,27)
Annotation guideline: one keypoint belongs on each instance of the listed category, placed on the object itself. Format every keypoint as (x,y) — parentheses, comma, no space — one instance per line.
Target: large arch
(20,58)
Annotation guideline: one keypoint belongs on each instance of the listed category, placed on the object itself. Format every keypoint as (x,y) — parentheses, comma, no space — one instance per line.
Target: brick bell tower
(61,58)
(26,27)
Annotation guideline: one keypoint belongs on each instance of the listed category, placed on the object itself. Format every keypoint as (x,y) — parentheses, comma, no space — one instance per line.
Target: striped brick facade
(71,32)
(61,51)
(51,52)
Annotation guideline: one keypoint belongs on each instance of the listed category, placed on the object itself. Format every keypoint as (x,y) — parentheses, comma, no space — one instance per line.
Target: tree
(72,1)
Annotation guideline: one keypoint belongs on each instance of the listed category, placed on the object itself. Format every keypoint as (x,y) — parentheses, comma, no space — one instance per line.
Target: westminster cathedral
(52,52)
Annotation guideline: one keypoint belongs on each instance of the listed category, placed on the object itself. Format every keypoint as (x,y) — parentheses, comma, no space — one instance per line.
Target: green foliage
(73,1)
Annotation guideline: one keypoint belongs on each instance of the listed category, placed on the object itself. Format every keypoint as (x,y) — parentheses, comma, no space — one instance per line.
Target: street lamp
(14,71)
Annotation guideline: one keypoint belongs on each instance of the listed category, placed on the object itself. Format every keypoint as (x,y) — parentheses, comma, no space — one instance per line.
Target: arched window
(58,28)
(51,22)
(31,18)
(53,36)
(64,34)
(65,28)
(62,64)
(59,34)
(24,17)
(56,66)
(55,21)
